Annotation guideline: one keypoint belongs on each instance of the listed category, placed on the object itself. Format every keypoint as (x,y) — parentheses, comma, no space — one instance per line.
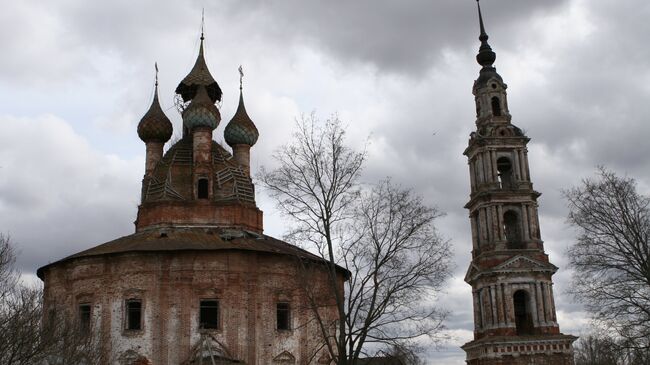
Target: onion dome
(241,129)
(201,112)
(154,125)
(199,76)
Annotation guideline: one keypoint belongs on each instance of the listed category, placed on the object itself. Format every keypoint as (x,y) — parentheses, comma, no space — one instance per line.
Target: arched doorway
(523,317)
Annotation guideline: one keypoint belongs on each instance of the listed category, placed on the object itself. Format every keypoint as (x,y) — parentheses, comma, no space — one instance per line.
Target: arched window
(511,228)
(523,317)
(496,106)
(202,189)
(504,167)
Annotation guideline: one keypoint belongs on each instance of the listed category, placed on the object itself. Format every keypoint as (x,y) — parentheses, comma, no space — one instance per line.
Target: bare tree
(26,337)
(382,234)
(595,350)
(602,349)
(402,355)
(611,257)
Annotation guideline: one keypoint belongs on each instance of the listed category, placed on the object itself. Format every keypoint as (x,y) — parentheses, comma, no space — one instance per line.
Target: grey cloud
(393,36)
(58,195)
(401,73)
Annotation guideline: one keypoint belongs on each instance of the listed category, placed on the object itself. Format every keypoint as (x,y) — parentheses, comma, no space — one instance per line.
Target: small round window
(494,86)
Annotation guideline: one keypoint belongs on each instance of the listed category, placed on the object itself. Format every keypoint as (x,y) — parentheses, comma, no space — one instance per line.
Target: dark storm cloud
(392,35)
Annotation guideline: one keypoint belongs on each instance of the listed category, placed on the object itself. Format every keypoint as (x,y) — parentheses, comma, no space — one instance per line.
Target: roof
(192,239)
(171,179)
(380,360)
(199,76)
(154,125)
(241,129)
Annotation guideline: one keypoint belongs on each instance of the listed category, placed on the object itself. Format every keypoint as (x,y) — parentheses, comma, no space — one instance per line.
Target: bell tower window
(202,189)
(496,107)
(504,167)
(511,229)
(523,318)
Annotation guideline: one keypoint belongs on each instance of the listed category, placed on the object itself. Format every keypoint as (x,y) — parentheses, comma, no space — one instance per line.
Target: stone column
(525,220)
(493,159)
(518,176)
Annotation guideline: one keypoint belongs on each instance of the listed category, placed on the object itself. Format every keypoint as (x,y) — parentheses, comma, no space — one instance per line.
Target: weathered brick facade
(198,277)
(511,277)
(170,285)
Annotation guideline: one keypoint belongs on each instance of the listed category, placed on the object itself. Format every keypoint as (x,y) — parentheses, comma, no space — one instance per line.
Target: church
(200,283)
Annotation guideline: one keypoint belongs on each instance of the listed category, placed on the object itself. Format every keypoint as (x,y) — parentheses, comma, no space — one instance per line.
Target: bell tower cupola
(515,318)
(489,89)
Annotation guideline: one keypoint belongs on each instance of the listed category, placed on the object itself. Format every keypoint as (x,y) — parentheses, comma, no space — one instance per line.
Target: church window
(202,189)
(504,167)
(496,107)
(133,314)
(283,316)
(84,317)
(209,314)
(511,229)
(523,318)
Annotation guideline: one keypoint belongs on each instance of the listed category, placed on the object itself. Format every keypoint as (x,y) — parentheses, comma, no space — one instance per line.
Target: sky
(77,76)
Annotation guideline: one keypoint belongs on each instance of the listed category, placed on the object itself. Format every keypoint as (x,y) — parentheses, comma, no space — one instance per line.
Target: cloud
(77,78)
(392,36)
(57,194)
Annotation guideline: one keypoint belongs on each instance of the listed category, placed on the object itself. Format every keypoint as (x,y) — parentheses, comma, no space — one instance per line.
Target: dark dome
(154,125)
(241,129)
(199,76)
(201,112)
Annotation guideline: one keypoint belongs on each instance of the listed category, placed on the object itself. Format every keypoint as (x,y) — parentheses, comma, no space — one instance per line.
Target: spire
(154,125)
(241,129)
(199,76)
(485,56)
(202,34)
(202,25)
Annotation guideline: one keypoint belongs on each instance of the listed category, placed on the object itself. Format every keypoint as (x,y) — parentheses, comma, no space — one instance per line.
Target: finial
(202,23)
(241,77)
(485,56)
(155,91)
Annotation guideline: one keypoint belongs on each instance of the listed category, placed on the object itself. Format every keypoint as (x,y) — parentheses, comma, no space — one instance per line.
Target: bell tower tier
(515,319)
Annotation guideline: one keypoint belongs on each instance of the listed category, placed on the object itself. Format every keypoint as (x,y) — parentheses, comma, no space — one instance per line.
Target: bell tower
(515,320)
